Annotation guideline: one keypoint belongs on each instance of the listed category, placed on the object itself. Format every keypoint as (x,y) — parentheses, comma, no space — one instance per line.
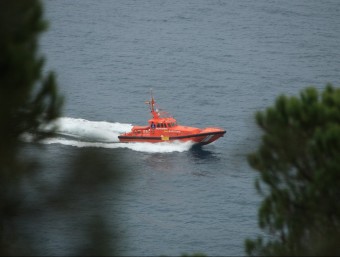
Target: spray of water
(102,134)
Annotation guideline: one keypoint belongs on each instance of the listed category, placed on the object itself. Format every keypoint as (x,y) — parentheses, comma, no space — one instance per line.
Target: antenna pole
(152,101)
(152,104)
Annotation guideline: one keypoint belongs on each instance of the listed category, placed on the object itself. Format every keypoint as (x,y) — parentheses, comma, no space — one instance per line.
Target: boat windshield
(166,125)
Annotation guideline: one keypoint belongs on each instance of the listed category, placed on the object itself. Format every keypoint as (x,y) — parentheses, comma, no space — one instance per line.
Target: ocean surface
(208,63)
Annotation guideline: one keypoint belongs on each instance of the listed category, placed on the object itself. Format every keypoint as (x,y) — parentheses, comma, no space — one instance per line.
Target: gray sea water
(209,63)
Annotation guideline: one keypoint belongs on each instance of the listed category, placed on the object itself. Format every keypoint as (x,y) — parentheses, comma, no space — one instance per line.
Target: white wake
(101,134)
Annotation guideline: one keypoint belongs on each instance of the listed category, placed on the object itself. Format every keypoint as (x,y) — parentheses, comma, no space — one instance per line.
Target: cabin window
(158,125)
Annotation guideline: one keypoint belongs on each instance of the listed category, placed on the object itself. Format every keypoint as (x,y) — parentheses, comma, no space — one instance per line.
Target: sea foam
(78,132)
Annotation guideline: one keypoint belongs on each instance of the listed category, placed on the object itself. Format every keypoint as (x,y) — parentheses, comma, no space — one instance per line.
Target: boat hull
(202,138)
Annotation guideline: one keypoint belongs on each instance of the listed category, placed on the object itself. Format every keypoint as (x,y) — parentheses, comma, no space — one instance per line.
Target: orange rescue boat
(164,128)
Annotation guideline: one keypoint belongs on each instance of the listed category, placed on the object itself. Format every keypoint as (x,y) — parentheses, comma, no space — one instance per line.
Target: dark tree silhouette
(299,166)
(27,100)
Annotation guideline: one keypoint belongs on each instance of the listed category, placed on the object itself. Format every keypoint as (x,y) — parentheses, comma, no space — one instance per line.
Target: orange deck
(178,133)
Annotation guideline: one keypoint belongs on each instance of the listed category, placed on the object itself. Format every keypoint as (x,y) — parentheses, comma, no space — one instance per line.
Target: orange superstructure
(162,128)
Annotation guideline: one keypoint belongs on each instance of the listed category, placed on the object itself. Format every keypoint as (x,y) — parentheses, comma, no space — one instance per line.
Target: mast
(152,106)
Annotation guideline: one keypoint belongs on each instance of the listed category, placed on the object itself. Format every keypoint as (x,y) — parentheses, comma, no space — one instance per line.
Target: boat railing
(140,129)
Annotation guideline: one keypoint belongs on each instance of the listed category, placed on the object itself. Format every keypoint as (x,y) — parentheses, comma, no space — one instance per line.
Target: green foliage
(27,98)
(299,167)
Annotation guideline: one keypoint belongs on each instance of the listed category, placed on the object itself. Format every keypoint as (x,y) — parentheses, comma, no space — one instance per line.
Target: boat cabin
(163,123)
